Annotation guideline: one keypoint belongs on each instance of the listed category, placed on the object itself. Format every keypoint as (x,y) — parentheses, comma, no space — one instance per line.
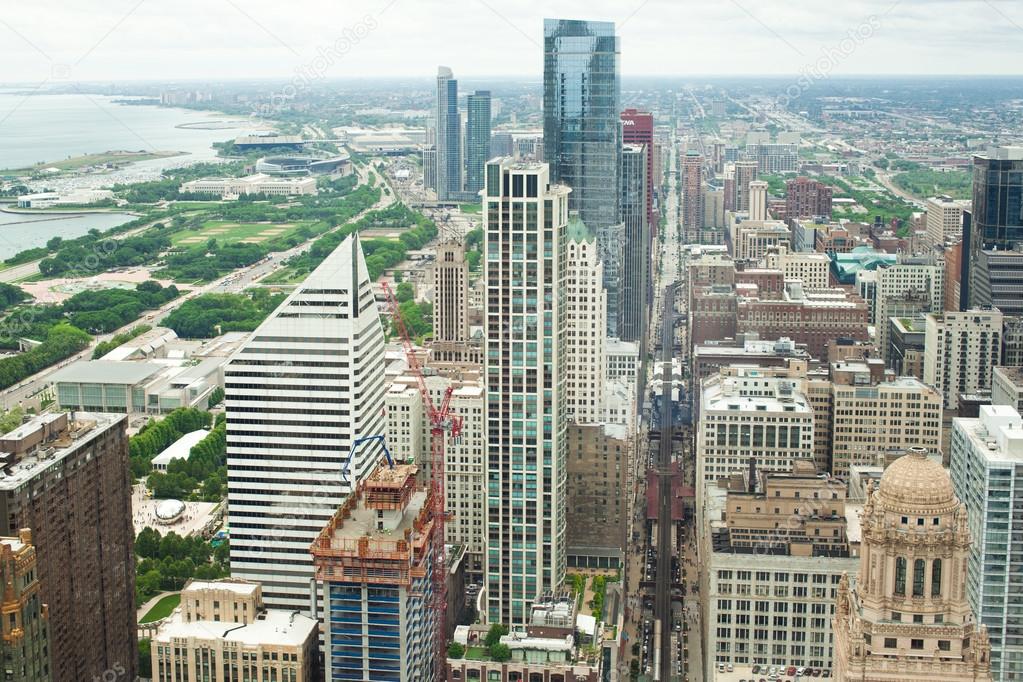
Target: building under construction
(374,564)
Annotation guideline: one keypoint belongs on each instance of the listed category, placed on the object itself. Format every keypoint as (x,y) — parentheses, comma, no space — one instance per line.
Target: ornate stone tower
(906,617)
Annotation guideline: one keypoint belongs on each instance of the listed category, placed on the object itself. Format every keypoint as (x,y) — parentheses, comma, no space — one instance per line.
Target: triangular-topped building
(307,383)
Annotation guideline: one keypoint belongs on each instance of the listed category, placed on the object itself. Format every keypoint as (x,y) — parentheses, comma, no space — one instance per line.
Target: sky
(107,40)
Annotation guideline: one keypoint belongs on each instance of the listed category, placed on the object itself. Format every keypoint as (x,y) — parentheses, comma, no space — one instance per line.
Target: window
(936,578)
(900,576)
(890,643)
(943,645)
(896,617)
(918,578)
(917,644)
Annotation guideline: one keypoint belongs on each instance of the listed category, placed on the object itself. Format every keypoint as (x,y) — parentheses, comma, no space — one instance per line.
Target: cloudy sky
(84,40)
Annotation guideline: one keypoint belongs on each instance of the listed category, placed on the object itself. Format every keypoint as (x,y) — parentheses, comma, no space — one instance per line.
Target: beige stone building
(451,293)
(813,268)
(906,616)
(222,633)
(961,351)
(944,220)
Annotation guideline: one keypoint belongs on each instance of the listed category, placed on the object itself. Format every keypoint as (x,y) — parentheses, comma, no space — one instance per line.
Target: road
(665,524)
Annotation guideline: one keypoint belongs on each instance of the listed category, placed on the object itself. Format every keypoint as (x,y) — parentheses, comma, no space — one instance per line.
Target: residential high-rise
(222,627)
(26,640)
(995,227)
(429,158)
(306,384)
(961,349)
(585,310)
(67,478)
(597,489)
(906,617)
(986,466)
(910,287)
(638,130)
(374,566)
(806,198)
(451,293)
(944,220)
(636,281)
(526,273)
(449,136)
(501,144)
(758,200)
(745,173)
(582,132)
(692,196)
(477,140)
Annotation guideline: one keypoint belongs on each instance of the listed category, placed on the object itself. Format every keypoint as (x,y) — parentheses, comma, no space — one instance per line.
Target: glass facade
(582,130)
(477,140)
(996,225)
(449,136)
(636,257)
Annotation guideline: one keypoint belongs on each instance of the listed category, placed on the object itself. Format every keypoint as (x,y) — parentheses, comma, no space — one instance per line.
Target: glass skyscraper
(995,226)
(449,136)
(636,258)
(582,132)
(477,140)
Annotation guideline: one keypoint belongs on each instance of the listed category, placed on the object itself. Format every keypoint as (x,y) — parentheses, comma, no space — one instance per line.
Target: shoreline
(64,212)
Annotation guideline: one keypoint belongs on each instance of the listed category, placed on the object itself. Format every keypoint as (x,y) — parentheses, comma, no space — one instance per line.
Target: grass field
(470,208)
(162,608)
(229,233)
(75,162)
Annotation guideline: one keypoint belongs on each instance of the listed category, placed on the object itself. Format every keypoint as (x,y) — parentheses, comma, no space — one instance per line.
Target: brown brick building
(712,314)
(68,480)
(807,198)
(597,490)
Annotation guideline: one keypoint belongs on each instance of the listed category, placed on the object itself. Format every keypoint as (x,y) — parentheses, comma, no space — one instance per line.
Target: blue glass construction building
(477,140)
(582,133)
(449,136)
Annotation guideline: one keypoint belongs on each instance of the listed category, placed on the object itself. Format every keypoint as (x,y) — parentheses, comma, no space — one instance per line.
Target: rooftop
(1013,374)
(273,628)
(106,372)
(85,428)
(180,448)
(236,586)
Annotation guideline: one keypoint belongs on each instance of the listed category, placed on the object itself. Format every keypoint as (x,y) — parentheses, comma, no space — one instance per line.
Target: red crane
(441,422)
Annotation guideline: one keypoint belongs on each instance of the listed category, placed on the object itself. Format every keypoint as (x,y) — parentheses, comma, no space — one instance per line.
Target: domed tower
(906,617)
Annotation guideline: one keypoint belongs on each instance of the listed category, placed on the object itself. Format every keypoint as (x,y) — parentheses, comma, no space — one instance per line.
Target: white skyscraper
(587,313)
(526,277)
(308,382)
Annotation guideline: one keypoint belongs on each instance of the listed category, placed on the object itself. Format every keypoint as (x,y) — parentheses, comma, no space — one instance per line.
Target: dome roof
(915,481)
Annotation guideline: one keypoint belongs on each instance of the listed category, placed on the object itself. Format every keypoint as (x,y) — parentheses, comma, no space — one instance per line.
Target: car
(817,672)
(729,668)
(826,673)
(790,671)
(800,671)
(756,669)
(772,671)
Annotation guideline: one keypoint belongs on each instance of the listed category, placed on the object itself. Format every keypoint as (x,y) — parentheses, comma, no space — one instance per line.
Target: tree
(405,292)
(147,544)
(500,653)
(456,650)
(145,658)
(494,635)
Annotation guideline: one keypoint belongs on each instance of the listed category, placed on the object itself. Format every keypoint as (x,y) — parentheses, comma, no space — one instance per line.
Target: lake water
(20,231)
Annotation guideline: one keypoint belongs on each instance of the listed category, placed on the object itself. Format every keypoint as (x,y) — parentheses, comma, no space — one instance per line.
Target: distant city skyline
(85,40)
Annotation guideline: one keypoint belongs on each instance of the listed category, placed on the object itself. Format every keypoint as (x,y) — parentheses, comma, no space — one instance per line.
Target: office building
(222,629)
(582,133)
(501,144)
(906,616)
(67,478)
(597,491)
(751,239)
(961,351)
(986,465)
(749,410)
(306,384)
(758,200)
(907,344)
(745,172)
(714,211)
(451,293)
(1012,341)
(774,158)
(622,360)
(477,140)
(525,268)
(26,639)
(778,546)
(449,136)
(872,418)
(910,287)
(993,230)
(944,220)
(1007,387)
(638,130)
(429,161)
(585,310)
(807,198)
(374,568)
(636,279)
(812,269)
(692,196)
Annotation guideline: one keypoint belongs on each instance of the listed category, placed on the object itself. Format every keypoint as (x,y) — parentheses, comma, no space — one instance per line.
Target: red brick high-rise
(638,128)
(807,198)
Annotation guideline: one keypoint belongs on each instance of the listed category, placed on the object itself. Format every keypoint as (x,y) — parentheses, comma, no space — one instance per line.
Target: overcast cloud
(87,40)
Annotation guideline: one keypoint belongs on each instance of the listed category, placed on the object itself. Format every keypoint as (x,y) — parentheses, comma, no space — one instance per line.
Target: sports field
(229,233)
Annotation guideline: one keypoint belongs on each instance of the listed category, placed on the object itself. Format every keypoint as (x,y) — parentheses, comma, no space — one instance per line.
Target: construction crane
(441,422)
(355,446)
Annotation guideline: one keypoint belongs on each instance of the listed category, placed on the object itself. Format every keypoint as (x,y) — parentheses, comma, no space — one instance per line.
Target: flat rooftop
(237,587)
(273,628)
(106,372)
(42,458)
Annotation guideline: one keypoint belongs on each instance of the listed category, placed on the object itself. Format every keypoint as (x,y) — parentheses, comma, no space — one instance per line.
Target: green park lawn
(230,232)
(162,608)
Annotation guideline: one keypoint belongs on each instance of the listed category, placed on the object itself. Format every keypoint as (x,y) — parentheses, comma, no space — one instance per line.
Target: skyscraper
(582,131)
(451,293)
(526,225)
(477,140)
(745,173)
(636,283)
(449,136)
(586,308)
(986,466)
(996,225)
(907,617)
(26,642)
(307,383)
(66,477)
(692,197)
(638,129)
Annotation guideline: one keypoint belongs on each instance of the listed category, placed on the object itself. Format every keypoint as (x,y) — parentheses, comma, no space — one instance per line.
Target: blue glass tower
(449,136)
(477,140)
